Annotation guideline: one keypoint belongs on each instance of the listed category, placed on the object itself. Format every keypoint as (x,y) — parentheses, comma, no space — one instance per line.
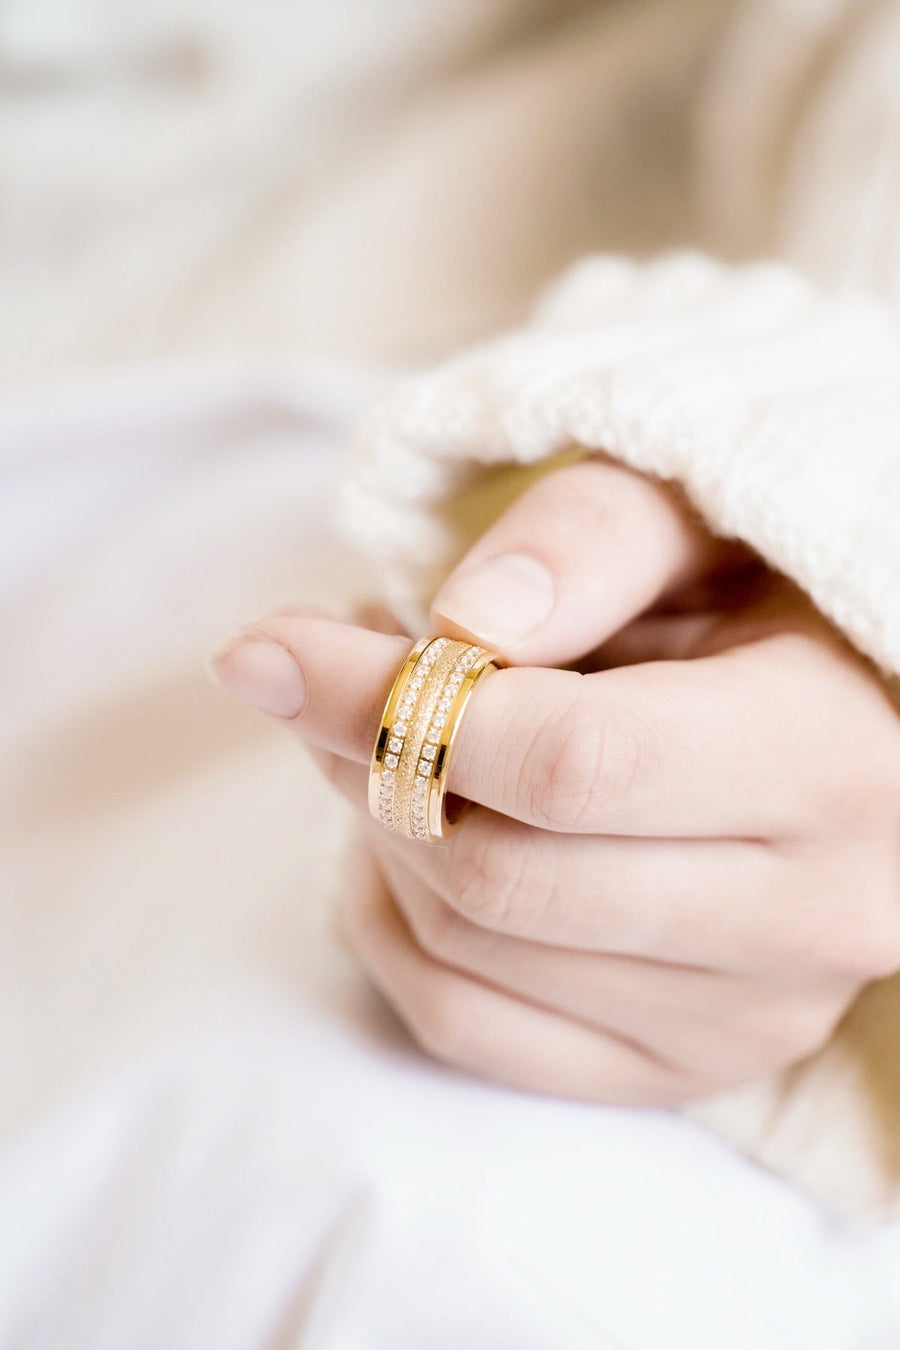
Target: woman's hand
(685,861)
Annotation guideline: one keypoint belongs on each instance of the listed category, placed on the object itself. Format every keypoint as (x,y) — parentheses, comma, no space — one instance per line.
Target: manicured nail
(262,673)
(500,601)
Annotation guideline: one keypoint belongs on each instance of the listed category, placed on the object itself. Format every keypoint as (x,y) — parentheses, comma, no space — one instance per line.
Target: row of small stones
(402,714)
(429,749)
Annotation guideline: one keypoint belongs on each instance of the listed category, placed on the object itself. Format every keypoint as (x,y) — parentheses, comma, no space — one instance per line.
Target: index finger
(663,749)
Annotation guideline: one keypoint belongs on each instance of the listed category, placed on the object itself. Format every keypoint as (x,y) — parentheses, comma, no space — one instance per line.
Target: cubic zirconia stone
(399,728)
(424,768)
(429,751)
(395,745)
(391,761)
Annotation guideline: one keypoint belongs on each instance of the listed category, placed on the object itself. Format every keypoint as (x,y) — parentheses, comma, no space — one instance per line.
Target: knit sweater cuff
(776,407)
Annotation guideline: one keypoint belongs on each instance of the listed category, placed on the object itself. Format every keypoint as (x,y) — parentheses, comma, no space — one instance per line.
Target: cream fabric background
(391,180)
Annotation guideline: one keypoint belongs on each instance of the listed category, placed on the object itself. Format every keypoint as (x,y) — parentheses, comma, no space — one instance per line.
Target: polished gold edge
(398,689)
(401,796)
(407,775)
(462,656)
(439,827)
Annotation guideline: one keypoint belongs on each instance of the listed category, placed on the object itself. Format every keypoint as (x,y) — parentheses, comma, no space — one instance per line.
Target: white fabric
(215,1134)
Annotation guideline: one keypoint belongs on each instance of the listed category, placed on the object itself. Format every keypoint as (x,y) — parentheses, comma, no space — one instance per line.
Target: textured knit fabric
(776,407)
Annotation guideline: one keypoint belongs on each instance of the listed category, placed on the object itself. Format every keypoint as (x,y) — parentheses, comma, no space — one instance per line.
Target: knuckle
(437,930)
(864,944)
(488,880)
(788,1032)
(663,1088)
(562,787)
(438,1025)
(876,950)
(597,755)
(853,802)
(850,927)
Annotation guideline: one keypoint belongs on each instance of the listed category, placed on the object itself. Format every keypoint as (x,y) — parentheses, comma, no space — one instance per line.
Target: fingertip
(499,601)
(578,555)
(348,671)
(261,673)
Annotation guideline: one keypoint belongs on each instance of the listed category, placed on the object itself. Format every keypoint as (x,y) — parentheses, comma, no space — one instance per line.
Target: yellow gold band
(410,761)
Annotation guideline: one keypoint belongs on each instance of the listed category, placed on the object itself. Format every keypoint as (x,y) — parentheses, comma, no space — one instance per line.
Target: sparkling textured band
(408,773)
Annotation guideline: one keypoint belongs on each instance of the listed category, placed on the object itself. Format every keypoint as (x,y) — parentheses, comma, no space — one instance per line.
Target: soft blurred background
(225,225)
(373,180)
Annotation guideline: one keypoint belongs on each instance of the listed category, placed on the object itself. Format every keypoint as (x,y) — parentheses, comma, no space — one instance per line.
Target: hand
(685,861)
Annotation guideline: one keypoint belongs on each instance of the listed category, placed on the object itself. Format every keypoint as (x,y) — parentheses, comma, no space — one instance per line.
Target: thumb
(575,558)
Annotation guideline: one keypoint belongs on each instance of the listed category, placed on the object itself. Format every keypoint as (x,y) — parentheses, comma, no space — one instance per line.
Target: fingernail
(262,673)
(500,601)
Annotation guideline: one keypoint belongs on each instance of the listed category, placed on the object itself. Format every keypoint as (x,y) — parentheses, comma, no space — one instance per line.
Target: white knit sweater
(776,406)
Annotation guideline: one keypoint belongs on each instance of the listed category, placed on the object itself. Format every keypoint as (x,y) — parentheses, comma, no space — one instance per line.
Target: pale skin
(683,861)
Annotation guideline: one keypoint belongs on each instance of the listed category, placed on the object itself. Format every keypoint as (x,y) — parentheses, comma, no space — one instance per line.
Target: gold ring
(410,762)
